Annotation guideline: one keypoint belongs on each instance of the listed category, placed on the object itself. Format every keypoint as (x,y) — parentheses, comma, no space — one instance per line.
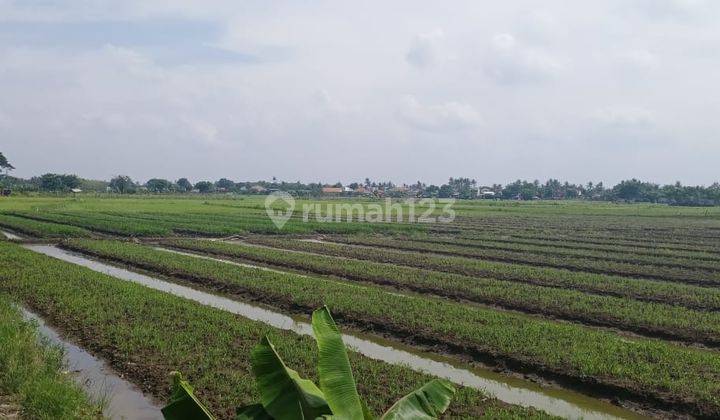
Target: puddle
(560,402)
(11,236)
(123,399)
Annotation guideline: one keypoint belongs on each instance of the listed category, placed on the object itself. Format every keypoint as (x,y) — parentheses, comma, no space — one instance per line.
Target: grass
(32,372)
(146,333)
(671,374)
(690,296)
(627,314)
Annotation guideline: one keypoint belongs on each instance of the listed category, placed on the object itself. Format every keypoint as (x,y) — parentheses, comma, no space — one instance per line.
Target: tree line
(632,190)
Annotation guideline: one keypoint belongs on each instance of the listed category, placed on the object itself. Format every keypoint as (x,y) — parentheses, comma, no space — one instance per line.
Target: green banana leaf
(336,377)
(252,412)
(283,393)
(183,404)
(428,402)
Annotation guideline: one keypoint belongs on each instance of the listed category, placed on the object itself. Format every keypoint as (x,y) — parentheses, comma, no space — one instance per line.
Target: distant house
(332,190)
(75,190)
(485,192)
(258,189)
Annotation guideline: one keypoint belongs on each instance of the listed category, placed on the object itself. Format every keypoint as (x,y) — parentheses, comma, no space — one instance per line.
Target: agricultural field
(602,309)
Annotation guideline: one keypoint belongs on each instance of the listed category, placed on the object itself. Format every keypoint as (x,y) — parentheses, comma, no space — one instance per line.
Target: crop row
(681,275)
(621,255)
(648,318)
(624,228)
(702,225)
(649,290)
(634,249)
(40,229)
(560,237)
(114,226)
(133,224)
(145,334)
(583,233)
(261,223)
(644,368)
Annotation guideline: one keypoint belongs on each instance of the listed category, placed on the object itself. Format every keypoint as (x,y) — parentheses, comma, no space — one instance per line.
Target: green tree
(123,184)
(184,185)
(204,186)
(431,191)
(445,191)
(57,182)
(224,183)
(158,185)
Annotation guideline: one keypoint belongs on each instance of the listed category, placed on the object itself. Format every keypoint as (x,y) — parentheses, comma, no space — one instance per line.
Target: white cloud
(503,42)
(325,76)
(507,61)
(623,116)
(426,49)
(677,9)
(640,58)
(447,116)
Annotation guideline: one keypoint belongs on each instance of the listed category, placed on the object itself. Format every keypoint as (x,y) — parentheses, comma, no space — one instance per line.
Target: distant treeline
(462,188)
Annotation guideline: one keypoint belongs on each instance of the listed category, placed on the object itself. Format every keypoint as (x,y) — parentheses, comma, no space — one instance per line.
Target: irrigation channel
(560,402)
(10,236)
(123,400)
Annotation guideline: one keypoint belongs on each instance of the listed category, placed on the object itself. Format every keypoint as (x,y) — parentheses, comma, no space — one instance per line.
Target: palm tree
(4,164)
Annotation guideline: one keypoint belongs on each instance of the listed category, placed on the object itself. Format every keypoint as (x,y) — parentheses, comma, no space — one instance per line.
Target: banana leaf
(183,404)
(336,377)
(283,393)
(252,412)
(428,402)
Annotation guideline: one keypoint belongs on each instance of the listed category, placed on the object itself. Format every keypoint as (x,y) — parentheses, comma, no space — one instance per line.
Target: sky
(327,91)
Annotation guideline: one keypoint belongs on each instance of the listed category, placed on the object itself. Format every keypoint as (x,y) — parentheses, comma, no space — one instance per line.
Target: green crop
(129,325)
(628,314)
(641,367)
(633,269)
(657,291)
(608,254)
(41,229)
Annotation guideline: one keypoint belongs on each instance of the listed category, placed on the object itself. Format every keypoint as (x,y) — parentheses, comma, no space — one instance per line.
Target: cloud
(624,117)
(447,116)
(639,58)
(679,10)
(509,62)
(425,50)
(213,86)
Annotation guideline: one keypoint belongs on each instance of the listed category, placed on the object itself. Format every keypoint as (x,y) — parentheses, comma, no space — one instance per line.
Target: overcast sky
(342,90)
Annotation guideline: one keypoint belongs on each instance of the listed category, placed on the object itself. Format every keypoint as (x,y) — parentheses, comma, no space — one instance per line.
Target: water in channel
(560,402)
(123,400)
(10,236)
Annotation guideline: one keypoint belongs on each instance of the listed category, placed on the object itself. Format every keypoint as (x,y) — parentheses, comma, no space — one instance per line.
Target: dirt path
(9,408)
